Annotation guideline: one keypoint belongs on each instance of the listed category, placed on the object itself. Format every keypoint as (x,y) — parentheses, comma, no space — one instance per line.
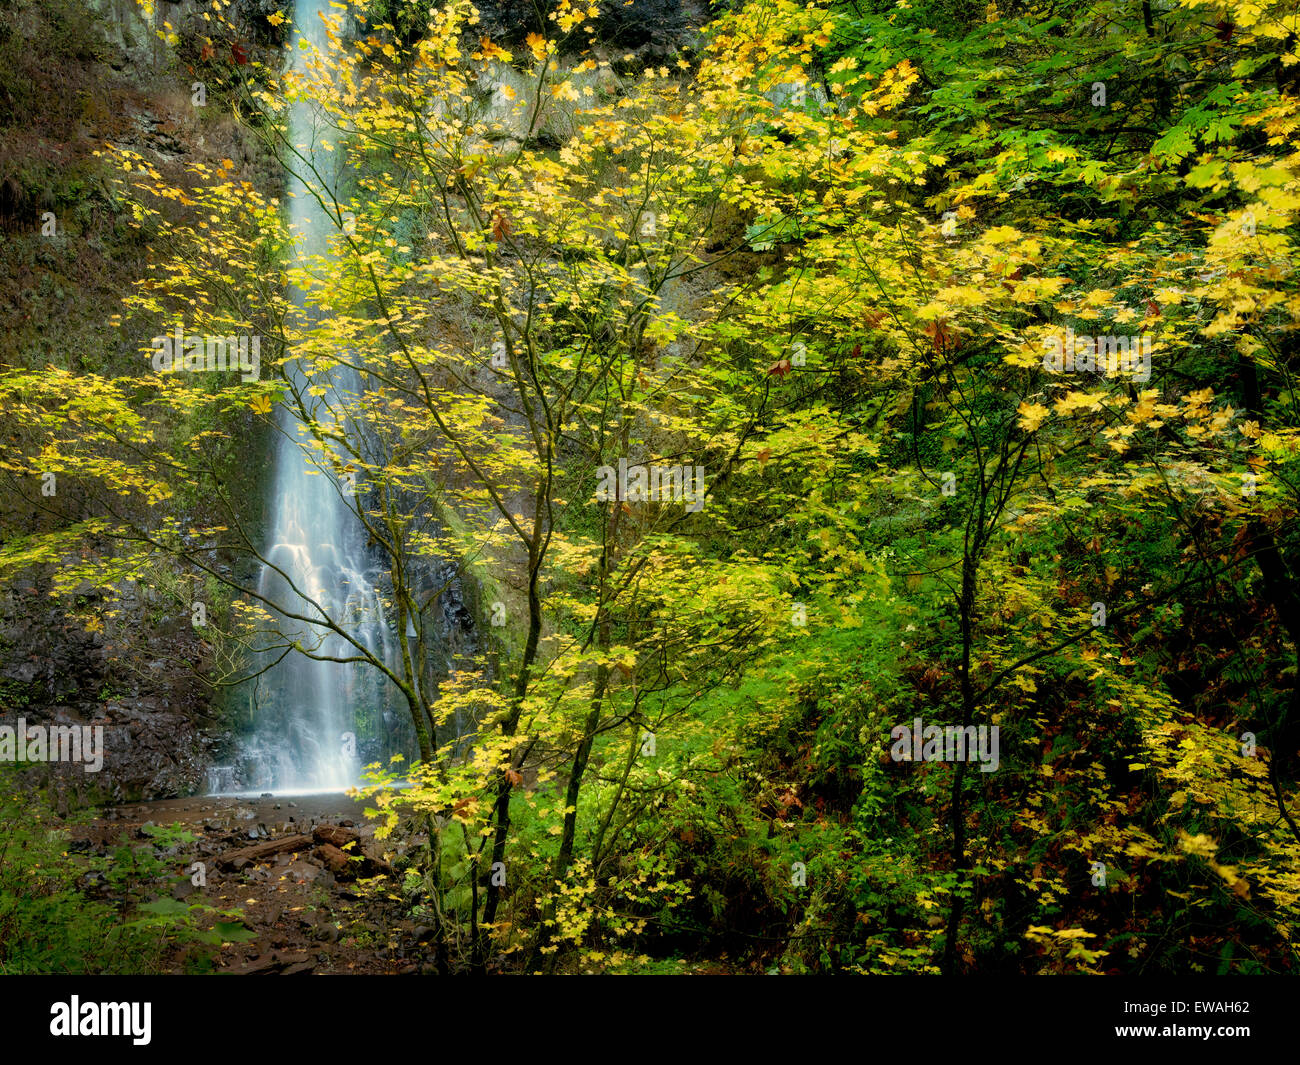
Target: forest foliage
(823,259)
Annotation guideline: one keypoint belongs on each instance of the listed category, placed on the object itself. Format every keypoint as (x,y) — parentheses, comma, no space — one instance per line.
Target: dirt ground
(291,864)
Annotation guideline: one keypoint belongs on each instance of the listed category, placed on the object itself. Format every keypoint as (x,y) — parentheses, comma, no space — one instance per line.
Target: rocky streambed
(317,891)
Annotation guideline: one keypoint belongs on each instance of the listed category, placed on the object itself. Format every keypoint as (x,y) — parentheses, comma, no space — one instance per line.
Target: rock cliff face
(132,36)
(138,682)
(653,31)
(72,76)
(649,31)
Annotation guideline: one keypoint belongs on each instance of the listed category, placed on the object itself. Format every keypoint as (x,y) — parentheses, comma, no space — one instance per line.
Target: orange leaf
(943,335)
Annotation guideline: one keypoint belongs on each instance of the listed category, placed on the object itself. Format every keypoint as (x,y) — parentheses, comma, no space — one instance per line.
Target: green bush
(50,919)
(48,924)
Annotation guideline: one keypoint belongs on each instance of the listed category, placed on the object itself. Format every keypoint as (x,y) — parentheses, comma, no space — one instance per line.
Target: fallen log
(335,835)
(259,851)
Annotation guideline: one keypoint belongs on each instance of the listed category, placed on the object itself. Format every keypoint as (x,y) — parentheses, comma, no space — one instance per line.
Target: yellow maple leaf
(1032,415)
(493,51)
(1079,401)
(1024,682)
(1200,845)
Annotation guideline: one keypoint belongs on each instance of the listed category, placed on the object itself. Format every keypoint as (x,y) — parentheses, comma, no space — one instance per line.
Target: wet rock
(94,882)
(329,933)
(335,860)
(275,961)
(306,872)
(157,134)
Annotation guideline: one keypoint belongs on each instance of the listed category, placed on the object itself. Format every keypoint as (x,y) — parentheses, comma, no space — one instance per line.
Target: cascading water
(306,735)
(315,723)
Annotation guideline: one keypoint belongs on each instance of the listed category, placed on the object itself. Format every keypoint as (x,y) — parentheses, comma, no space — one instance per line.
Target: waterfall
(308,734)
(314,723)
